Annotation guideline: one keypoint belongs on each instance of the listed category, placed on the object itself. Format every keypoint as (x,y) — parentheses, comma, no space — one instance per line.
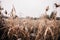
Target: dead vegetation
(29,29)
(44,28)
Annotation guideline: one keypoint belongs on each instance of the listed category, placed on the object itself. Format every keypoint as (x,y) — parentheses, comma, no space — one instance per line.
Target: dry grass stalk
(30,29)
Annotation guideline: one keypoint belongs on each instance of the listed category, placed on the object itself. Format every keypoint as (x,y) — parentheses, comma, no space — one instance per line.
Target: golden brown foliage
(30,29)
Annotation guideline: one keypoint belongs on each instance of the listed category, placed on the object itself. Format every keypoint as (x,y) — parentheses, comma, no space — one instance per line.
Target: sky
(32,8)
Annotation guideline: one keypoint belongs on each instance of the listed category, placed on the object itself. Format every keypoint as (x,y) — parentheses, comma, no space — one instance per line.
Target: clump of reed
(46,28)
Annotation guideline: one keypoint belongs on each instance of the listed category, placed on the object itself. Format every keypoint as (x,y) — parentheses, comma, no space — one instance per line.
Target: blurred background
(32,8)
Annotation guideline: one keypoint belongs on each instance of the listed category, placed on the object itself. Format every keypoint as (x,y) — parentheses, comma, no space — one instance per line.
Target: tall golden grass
(44,28)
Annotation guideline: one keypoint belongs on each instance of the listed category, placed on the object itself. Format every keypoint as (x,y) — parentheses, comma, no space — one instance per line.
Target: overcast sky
(32,8)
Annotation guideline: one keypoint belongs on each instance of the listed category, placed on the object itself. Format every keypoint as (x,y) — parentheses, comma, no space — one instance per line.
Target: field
(43,28)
